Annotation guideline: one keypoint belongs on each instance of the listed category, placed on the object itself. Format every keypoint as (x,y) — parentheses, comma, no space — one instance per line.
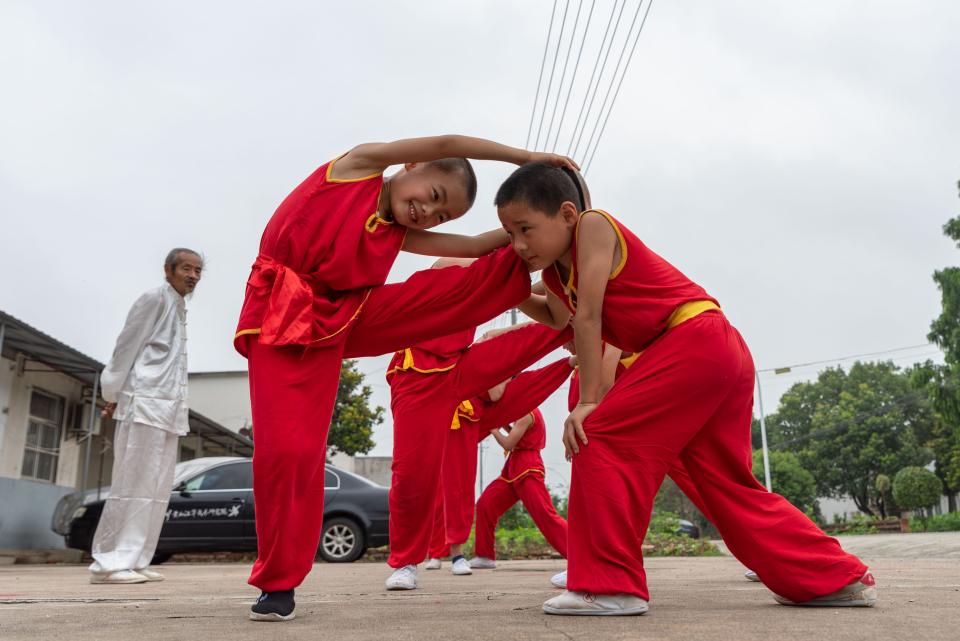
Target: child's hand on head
(553,159)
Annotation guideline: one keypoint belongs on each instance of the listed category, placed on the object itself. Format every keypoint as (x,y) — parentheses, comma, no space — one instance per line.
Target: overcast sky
(797,160)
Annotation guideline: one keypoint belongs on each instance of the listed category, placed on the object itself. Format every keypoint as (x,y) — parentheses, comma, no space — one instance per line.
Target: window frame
(39,450)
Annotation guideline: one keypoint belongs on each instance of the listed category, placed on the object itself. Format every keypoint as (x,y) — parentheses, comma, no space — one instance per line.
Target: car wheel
(160,558)
(341,541)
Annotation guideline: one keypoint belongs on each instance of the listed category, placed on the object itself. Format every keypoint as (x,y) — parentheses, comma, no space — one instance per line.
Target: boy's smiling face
(421,196)
(539,238)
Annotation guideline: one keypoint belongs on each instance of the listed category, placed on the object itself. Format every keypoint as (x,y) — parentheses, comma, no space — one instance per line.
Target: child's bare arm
(510,441)
(431,243)
(548,310)
(374,157)
(596,249)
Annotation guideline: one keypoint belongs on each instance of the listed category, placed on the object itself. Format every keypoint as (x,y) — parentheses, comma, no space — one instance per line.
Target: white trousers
(143,463)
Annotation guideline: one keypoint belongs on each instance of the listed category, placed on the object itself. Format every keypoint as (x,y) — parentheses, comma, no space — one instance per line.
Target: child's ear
(410,165)
(569,212)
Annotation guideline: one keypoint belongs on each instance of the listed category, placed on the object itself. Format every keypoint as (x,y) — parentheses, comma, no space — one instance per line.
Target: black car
(211,510)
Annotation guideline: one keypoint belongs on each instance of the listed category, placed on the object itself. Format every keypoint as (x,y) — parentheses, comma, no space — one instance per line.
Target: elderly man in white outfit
(145,386)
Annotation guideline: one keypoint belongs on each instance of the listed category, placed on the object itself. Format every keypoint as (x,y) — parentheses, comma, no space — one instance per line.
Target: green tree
(942,388)
(351,429)
(943,382)
(789,478)
(848,427)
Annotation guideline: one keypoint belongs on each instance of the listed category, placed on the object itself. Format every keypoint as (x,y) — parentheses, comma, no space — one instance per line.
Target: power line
(563,74)
(603,66)
(616,69)
(844,358)
(553,68)
(620,84)
(543,64)
(593,74)
(573,77)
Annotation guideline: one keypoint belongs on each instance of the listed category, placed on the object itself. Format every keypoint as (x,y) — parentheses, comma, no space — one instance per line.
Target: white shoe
(482,563)
(150,575)
(119,577)
(861,593)
(584,603)
(559,580)
(461,567)
(432,564)
(404,578)
(750,575)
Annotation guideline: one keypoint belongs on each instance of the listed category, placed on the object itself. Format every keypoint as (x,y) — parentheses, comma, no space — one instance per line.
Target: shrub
(949,522)
(916,487)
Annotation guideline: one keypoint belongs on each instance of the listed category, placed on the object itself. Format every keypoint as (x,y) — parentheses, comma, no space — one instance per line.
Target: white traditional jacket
(147,376)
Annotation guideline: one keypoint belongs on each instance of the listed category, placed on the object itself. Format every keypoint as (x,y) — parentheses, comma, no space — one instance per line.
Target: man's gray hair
(173,257)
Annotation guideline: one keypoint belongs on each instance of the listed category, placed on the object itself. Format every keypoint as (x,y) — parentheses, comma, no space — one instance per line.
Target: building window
(42,449)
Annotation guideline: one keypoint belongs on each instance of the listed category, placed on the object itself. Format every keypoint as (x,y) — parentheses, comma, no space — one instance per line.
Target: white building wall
(223,397)
(15,406)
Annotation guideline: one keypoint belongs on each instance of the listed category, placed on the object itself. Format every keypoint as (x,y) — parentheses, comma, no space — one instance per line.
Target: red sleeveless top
(525,458)
(642,293)
(321,252)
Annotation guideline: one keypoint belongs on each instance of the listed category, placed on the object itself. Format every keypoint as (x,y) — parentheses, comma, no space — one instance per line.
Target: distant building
(225,397)
(50,445)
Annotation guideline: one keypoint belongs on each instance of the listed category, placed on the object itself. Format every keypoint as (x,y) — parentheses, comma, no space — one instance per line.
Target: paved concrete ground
(694,599)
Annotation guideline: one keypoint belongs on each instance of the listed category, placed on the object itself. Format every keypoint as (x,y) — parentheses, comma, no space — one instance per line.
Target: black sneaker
(274,606)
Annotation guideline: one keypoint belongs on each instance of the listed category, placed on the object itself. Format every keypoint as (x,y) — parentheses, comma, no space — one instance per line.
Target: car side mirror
(182,488)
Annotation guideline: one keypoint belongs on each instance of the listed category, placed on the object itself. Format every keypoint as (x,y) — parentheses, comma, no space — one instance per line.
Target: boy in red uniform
(427,382)
(688,395)
(522,479)
(316,294)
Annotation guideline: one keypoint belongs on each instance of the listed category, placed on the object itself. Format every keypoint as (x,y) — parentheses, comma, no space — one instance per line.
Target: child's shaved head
(540,186)
(463,167)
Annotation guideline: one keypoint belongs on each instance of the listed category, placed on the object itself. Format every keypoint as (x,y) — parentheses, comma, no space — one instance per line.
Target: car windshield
(186,469)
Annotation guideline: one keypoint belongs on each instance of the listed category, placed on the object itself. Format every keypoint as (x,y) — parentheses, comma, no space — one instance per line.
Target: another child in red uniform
(522,479)
(689,395)
(501,405)
(316,293)
(427,383)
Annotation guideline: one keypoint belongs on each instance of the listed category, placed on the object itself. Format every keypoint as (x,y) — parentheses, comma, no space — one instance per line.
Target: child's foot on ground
(482,563)
(750,575)
(404,578)
(584,603)
(274,606)
(461,567)
(861,593)
(559,580)
(433,564)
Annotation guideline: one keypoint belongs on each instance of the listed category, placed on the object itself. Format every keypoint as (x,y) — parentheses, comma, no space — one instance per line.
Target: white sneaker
(432,564)
(119,577)
(750,575)
(461,567)
(404,578)
(584,603)
(861,593)
(150,575)
(482,563)
(559,580)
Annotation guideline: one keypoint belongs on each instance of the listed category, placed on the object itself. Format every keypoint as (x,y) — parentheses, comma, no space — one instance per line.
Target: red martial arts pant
(439,547)
(690,395)
(522,395)
(423,407)
(293,390)
(500,496)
